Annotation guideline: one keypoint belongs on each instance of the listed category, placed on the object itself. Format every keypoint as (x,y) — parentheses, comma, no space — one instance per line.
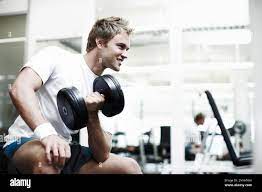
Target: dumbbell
(72,106)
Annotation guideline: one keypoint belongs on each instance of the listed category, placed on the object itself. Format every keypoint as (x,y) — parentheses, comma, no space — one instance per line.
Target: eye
(122,47)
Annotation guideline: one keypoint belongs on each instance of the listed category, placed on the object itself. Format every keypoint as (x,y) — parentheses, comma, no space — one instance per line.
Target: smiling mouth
(120,61)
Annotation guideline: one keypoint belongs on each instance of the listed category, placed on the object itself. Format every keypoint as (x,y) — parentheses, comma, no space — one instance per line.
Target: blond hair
(106,29)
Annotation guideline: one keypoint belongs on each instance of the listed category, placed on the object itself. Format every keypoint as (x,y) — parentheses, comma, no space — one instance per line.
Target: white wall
(52,19)
(211,13)
(187,13)
(9,7)
(139,17)
(256,26)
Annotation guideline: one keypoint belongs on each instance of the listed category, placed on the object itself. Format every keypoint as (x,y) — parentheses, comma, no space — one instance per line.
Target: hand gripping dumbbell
(72,106)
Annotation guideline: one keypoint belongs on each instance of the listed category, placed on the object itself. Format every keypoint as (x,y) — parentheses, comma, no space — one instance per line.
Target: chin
(116,67)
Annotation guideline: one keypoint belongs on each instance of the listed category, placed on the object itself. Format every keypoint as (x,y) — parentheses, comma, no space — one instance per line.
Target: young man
(194,138)
(199,119)
(39,141)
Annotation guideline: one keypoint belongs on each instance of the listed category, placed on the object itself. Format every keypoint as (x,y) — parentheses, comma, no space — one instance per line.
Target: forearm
(98,140)
(26,103)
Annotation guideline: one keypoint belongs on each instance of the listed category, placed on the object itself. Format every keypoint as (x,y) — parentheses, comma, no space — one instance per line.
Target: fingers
(60,154)
(60,150)
(67,152)
(55,154)
(97,97)
(95,101)
(48,153)
(62,157)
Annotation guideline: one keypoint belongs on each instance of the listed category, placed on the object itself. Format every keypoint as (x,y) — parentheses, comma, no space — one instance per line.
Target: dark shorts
(79,155)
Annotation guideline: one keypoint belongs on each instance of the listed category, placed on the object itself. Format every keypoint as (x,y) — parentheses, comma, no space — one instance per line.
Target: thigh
(14,146)
(31,158)
(115,164)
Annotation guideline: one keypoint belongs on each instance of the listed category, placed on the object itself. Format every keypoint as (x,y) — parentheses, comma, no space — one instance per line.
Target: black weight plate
(118,96)
(114,97)
(72,108)
(81,110)
(65,109)
(101,86)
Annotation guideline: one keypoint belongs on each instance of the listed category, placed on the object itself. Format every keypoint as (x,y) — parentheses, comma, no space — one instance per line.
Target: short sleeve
(43,62)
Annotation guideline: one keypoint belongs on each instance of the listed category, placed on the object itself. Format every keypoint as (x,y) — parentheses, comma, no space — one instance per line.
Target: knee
(131,167)
(30,158)
(45,169)
(42,166)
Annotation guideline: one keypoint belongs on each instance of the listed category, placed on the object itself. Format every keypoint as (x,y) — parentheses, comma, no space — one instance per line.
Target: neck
(92,61)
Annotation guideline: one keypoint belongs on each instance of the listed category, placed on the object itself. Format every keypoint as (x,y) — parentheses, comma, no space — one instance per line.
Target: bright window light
(209,12)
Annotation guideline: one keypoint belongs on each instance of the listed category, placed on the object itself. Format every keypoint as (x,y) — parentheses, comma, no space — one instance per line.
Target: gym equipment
(237,160)
(72,106)
(239,127)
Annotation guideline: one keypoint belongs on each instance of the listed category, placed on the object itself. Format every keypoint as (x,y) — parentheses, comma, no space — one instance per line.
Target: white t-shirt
(192,135)
(58,69)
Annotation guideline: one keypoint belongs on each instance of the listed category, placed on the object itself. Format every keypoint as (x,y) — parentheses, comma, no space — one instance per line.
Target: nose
(124,55)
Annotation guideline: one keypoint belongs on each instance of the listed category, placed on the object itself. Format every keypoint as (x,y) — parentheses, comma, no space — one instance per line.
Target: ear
(100,43)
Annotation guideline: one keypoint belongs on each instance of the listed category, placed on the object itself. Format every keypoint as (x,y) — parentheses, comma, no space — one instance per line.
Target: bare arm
(99,141)
(23,96)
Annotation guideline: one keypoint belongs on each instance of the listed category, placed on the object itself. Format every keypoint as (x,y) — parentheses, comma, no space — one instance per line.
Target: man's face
(115,51)
(200,121)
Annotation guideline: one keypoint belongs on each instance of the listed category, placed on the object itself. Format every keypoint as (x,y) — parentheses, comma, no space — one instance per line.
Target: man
(199,119)
(194,138)
(38,141)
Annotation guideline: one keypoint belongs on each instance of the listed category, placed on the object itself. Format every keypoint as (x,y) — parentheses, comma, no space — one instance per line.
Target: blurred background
(179,49)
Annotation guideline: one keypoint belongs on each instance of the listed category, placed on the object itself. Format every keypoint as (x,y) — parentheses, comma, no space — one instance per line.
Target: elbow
(13,92)
(102,157)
